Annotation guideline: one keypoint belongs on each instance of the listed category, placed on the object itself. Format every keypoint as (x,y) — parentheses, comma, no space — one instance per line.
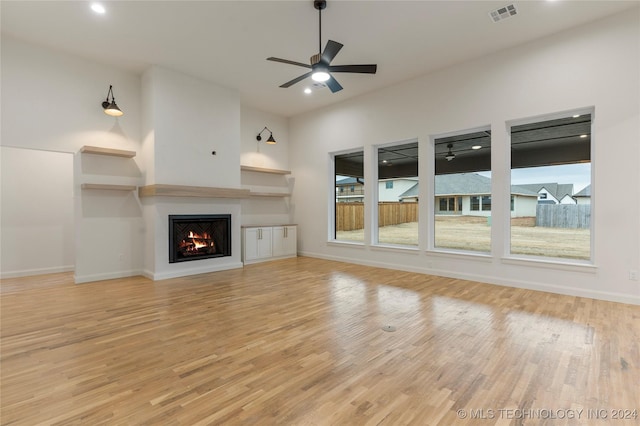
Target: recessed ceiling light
(583,136)
(476,147)
(307,90)
(98,8)
(576,116)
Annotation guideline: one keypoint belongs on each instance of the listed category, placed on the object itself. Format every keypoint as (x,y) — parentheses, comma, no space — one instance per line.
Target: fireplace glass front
(196,237)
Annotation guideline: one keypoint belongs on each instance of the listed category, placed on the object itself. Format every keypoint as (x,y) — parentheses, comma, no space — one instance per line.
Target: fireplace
(196,237)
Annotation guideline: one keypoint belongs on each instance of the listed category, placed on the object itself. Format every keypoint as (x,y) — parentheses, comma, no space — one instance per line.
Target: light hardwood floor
(300,342)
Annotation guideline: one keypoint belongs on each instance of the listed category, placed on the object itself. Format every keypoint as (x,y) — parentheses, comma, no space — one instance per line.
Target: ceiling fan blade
(333,85)
(286,61)
(330,51)
(296,80)
(364,69)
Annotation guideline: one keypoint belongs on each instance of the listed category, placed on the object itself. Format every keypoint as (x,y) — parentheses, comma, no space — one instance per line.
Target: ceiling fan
(320,66)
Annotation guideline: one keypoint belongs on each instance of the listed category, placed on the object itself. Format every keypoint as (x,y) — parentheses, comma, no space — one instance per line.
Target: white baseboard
(80,279)
(529,285)
(190,271)
(37,271)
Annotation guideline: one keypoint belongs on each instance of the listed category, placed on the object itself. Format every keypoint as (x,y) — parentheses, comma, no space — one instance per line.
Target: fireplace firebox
(196,237)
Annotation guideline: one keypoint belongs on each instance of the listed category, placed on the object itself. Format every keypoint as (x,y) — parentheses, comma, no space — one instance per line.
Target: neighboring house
(350,190)
(391,189)
(552,193)
(584,196)
(470,194)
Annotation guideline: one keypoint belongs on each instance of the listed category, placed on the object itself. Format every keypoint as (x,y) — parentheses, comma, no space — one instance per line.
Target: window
(550,163)
(348,220)
(398,194)
(486,203)
(463,191)
(475,203)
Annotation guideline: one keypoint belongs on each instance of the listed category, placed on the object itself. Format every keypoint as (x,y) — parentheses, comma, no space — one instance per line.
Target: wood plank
(87,149)
(108,187)
(270,194)
(299,341)
(162,190)
(264,170)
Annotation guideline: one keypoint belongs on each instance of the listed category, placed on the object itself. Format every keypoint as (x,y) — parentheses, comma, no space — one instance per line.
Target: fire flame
(194,242)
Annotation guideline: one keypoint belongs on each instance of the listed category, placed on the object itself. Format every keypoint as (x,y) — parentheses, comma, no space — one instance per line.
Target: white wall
(265,210)
(260,154)
(172,121)
(191,118)
(185,120)
(51,103)
(593,65)
(400,186)
(37,212)
(524,206)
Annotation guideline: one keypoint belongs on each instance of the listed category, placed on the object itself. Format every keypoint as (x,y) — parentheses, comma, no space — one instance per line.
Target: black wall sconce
(110,107)
(270,140)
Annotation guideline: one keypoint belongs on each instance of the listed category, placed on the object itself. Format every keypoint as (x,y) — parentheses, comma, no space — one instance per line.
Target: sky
(577,174)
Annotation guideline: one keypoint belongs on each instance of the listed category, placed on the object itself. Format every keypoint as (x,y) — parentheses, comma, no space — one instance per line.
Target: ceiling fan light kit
(320,64)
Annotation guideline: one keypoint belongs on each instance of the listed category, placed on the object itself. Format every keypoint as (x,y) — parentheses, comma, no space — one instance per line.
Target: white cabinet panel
(257,243)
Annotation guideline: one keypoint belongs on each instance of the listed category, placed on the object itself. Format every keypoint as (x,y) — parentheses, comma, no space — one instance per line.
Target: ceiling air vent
(503,13)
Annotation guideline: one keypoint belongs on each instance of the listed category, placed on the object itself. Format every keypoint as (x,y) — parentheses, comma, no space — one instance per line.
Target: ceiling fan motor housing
(315,59)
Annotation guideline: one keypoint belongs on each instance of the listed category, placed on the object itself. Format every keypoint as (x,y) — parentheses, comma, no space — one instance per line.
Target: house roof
(585,192)
(558,190)
(349,181)
(465,184)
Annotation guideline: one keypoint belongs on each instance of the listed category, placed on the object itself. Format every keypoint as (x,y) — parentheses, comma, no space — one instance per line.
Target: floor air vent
(503,13)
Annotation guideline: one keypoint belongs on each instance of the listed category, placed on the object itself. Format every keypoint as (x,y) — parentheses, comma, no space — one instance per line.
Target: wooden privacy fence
(350,216)
(563,215)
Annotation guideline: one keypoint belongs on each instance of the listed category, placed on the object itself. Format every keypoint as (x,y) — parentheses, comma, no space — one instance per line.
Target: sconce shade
(110,107)
(113,110)
(271,140)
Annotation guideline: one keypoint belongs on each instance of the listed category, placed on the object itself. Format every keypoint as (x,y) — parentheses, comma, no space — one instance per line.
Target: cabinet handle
(286,232)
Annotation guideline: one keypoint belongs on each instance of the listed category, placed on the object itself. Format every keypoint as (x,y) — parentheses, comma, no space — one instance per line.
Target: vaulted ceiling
(227,42)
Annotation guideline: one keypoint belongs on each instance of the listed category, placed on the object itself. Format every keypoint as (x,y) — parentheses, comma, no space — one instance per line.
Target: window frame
(509,257)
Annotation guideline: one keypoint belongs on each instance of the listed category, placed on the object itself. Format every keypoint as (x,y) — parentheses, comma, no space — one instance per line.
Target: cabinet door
(257,243)
(291,246)
(250,242)
(264,242)
(284,240)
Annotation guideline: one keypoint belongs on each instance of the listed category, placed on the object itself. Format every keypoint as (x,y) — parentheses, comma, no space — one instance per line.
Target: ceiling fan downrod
(320,5)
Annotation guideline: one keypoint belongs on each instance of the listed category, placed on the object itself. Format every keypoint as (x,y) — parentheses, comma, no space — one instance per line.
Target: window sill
(398,248)
(558,264)
(461,254)
(339,243)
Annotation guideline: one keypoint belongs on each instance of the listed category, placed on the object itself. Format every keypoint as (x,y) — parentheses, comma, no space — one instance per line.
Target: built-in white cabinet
(261,243)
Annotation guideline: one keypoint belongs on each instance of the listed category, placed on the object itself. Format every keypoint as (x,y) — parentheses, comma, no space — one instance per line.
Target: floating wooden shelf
(162,190)
(107,151)
(108,187)
(263,170)
(269,194)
